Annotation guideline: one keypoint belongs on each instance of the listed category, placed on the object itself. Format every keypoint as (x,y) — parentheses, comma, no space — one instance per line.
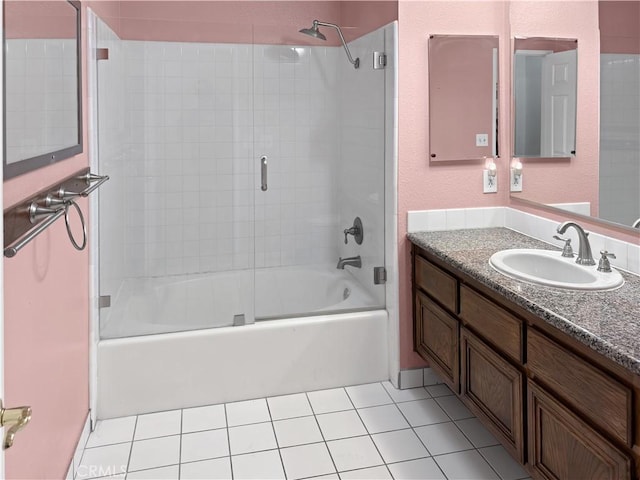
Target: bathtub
(214,362)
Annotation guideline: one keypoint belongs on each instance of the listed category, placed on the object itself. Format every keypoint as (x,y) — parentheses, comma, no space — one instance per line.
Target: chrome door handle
(14,419)
(263,173)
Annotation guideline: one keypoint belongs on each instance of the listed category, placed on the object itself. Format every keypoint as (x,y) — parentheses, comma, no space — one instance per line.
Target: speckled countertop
(607,322)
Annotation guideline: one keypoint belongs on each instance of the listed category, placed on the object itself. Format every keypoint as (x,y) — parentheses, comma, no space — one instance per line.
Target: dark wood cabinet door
(561,446)
(436,339)
(492,388)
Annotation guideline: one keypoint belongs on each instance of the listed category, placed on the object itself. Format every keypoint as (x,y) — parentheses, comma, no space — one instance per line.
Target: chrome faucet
(352,261)
(636,224)
(585,256)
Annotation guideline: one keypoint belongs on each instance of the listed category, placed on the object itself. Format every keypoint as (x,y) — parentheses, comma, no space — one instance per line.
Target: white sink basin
(549,268)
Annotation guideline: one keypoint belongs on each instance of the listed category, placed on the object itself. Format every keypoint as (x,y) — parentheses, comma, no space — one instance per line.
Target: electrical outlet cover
(490,183)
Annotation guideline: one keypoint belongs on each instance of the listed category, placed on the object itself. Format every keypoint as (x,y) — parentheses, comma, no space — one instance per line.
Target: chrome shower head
(314,32)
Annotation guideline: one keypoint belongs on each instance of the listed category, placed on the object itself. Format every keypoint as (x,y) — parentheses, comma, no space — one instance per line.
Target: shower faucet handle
(355,230)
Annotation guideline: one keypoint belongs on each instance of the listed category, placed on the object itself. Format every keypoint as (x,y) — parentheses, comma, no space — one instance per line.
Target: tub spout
(352,261)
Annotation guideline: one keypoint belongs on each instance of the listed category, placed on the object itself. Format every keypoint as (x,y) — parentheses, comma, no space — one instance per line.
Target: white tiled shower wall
(184,127)
(42,75)
(361,173)
(619,137)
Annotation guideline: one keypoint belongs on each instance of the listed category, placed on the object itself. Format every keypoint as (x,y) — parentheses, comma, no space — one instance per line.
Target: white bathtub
(190,302)
(142,374)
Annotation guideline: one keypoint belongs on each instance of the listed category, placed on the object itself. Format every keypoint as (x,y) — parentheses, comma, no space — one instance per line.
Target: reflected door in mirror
(545,86)
(463,110)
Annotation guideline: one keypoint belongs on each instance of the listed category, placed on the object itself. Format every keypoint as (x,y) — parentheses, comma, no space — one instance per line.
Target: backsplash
(627,254)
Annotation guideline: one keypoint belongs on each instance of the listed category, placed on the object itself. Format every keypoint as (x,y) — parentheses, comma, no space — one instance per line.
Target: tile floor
(368,431)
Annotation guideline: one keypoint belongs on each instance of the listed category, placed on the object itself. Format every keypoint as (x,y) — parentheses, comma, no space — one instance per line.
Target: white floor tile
(421,469)
(163,473)
(341,425)
(476,432)
(325,401)
(353,453)
(443,438)
(331,476)
(503,463)
(399,446)
(382,419)
(257,466)
(439,390)
(104,461)
(373,473)
(114,430)
(289,406)
(423,412)
(216,469)
(252,438)
(203,418)
(204,445)
(250,411)
(307,461)
(156,452)
(369,395)
(454,407)
(297,431)
(405,395)
(159,424)
(465,465)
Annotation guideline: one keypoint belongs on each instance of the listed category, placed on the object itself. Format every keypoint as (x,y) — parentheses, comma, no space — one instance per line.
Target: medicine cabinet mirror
(463,92)
(544,95)
(42,96)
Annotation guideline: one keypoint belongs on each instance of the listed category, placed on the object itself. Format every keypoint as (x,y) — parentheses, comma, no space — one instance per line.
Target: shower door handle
(263,173)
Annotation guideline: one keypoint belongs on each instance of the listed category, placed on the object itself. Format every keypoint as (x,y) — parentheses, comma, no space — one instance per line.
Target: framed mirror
(544,96)
(42,84)
(463,92)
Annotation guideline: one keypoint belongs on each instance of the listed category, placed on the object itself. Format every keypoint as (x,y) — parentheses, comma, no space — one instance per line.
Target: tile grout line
(133,439)
(273,429)
(226,422)
(324,440)
(180,444)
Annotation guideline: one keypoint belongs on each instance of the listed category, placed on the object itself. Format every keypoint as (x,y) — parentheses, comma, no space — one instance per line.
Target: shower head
(314,32)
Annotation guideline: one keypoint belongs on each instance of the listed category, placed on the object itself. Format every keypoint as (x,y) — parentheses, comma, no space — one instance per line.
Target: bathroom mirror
(618,167)
(463,110)
(42,97)
(544,96)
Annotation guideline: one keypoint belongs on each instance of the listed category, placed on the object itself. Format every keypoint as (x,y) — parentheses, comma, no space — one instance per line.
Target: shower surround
(182,128)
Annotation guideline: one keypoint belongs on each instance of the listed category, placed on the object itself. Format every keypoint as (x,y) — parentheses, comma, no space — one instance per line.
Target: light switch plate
(482,140)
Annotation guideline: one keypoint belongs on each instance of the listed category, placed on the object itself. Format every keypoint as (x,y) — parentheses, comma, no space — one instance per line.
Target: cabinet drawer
(493,390)
(583,387)
(436,339)
(437,283)
(561,446)
(492,322)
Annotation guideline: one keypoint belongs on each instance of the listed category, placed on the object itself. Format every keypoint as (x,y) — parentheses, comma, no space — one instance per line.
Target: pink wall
(46,333)
(39,19)
(423,185)
(263,22)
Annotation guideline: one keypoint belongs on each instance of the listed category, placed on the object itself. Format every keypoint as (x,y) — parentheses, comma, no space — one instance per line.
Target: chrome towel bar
(25,221)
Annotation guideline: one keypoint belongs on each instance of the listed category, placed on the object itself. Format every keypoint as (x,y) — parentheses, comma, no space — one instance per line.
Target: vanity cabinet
(561,409)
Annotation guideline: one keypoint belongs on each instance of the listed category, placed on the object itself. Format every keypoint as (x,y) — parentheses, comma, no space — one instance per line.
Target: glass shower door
(320,123)
(176,221)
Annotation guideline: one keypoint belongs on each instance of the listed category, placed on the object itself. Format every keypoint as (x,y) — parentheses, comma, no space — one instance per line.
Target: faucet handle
(567,250)
(604,265)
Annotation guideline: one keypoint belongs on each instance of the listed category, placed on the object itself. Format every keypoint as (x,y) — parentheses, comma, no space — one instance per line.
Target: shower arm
(356,62)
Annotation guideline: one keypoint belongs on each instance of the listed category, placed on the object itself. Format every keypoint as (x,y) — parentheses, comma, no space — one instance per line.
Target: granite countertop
(607,322)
